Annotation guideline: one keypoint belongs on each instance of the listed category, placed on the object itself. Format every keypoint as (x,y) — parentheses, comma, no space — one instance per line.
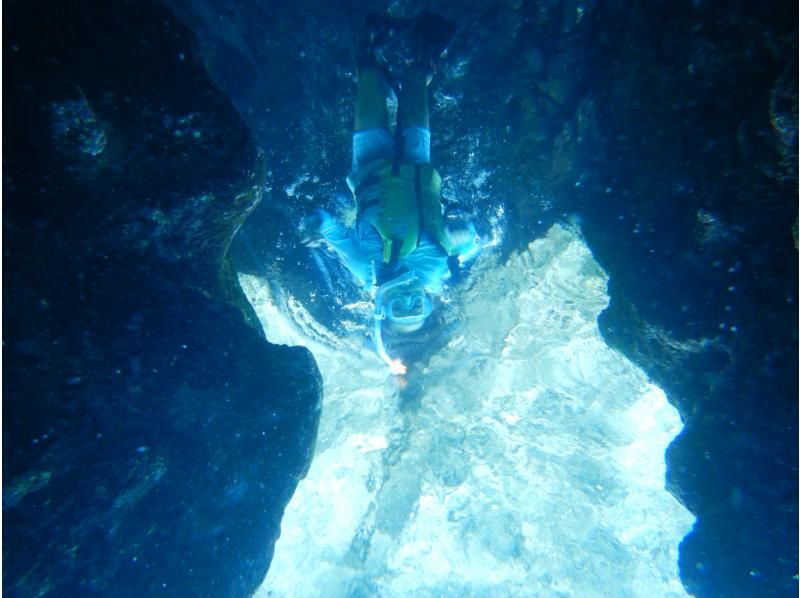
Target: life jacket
(409,201)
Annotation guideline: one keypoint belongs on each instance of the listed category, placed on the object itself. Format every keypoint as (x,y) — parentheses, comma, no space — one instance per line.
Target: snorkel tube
(396,366)
(404,303)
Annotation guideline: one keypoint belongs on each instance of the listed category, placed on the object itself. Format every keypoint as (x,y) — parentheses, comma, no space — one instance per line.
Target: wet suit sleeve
(356,251)
(429,262)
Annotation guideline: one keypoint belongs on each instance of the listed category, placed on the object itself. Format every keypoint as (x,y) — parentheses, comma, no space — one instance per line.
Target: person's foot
(432,35)
(397,45)
(375,35)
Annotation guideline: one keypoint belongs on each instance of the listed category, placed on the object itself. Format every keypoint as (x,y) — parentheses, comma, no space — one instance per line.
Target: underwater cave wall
(151,435)
(689,202)
(668,130)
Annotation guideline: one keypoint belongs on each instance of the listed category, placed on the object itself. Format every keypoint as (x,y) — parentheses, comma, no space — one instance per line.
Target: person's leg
(413,118)
(371,137)
(371,110)
(413,100)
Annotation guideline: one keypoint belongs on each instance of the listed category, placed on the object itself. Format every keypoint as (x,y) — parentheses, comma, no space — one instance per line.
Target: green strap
(418,194)
(398,150)
(397,245)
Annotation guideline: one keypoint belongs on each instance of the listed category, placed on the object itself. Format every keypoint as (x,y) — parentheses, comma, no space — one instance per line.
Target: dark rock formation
(697,145)
(151,436)
(668,128)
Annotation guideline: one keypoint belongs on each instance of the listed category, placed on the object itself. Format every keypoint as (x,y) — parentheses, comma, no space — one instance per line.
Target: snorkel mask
(403,303)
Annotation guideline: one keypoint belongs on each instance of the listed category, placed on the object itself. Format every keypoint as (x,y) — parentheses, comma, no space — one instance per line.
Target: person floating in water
(405,245)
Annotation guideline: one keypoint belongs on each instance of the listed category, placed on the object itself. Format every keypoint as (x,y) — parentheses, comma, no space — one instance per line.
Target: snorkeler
(405,245)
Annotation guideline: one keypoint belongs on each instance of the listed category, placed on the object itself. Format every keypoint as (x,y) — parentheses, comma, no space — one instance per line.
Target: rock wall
(667,129)
(151,435)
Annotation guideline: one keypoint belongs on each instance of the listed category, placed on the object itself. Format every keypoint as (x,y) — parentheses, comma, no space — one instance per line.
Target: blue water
(553,112)
(141,400)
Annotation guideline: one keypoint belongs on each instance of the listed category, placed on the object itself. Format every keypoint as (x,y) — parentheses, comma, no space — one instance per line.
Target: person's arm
(356,253)
(429,262)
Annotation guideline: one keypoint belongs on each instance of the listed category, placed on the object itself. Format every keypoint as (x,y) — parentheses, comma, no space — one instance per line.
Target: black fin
(433,36)
(396,44)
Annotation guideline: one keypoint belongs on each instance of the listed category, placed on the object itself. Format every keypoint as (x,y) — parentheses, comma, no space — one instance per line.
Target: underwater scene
(487,298)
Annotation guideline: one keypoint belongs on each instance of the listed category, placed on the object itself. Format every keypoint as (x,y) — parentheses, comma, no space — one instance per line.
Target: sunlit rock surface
(533,464)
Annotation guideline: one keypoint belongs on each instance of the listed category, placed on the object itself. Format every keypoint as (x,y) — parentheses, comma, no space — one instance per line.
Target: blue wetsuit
(361,250)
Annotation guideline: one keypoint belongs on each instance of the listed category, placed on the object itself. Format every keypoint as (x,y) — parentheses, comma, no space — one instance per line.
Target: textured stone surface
(668,128)
(151,436)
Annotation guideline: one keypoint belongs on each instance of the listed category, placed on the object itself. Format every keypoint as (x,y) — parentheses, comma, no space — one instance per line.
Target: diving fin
(433,35)
(395,44)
